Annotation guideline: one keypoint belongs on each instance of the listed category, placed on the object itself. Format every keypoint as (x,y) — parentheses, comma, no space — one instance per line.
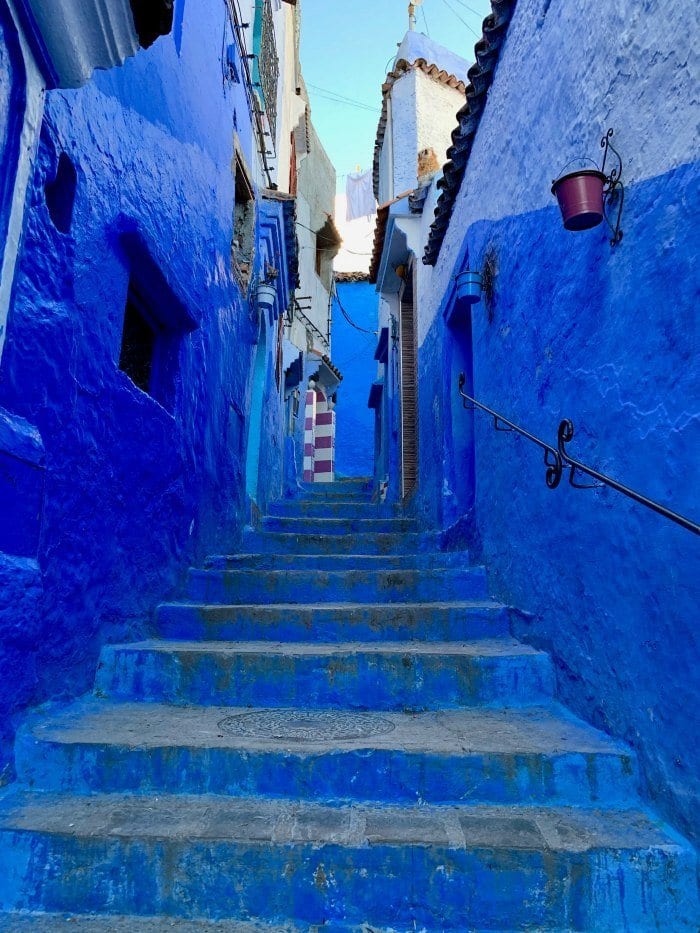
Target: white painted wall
(436,114)
(404,104)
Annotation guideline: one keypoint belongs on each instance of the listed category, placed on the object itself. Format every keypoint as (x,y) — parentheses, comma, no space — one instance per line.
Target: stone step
(341,622)
(534,755)
(351,489)
(22,922)
(328,586)
(323,508)
(267,542)
(429,560)
(380,676)
(344,868)
(330,526)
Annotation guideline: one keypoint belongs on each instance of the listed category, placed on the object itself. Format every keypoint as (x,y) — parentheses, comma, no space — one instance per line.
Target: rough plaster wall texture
(316,181)
(563,79)
(133,492)
(404,133)
(436,107)
(353,354)
(604,337)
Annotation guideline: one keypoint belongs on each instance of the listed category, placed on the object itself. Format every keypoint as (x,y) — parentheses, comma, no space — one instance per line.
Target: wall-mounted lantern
(469,286)
(586,195)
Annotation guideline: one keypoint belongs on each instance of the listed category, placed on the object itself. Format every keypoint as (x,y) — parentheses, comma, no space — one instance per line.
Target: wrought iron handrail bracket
(557,459)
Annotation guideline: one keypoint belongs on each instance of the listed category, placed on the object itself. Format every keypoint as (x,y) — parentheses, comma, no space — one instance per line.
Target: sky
(347,49)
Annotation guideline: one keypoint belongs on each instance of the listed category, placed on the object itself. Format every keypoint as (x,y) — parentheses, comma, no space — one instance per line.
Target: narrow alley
(349,432)
(408,762)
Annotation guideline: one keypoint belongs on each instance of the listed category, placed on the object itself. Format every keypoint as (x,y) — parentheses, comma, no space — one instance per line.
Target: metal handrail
(558,459)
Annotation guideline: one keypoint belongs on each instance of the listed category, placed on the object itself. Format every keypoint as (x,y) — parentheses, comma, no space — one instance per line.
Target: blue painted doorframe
(252,471)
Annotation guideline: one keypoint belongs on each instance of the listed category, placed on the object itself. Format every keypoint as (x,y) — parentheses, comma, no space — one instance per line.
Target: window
(149,353)
(266,70)
(243,222)
(138,347)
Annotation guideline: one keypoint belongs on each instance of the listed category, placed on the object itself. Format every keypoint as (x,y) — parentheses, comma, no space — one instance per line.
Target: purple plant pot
(580,197)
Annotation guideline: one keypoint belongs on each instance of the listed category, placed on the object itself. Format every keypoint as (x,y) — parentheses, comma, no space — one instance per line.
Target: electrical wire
(345,314)
(234,11)
(334,96)
(461,19)
(470,8)
(425,20)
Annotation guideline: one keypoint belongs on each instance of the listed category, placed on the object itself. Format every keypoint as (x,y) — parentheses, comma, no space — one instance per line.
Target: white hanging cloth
(359,189)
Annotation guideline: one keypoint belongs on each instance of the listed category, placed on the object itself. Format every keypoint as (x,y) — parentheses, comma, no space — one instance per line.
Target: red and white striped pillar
(324,446)
(309,427)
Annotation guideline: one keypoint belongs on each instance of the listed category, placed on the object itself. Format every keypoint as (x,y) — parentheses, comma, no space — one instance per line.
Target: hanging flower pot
(266,295)
(469,286)
(580,196)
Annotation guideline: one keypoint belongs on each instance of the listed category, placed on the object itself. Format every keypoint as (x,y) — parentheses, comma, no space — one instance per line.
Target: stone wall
(606,337)
(135,488)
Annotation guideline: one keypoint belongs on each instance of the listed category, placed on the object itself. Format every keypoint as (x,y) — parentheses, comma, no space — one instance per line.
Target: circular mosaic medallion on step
(306,725)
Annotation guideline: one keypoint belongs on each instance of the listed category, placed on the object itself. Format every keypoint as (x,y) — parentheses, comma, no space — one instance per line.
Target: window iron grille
(268,66)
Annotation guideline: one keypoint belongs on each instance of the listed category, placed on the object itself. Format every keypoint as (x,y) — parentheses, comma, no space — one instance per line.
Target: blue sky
(346,50)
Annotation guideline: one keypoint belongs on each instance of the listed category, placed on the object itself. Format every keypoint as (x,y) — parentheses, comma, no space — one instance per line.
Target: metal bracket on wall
(614,190)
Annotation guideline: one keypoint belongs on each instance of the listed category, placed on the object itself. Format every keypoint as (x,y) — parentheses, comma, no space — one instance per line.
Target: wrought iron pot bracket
(614,190)
(557,459)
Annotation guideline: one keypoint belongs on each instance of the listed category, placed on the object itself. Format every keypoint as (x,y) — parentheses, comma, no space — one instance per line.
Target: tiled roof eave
(487,52)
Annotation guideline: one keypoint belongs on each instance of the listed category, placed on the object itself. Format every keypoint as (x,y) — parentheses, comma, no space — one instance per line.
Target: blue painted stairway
(332,731)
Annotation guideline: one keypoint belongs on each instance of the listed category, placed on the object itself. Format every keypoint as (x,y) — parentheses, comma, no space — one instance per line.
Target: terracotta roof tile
(487,52)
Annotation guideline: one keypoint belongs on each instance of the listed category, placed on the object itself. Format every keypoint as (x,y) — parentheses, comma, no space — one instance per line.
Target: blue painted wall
(605,337)
(353,354)
(134,490)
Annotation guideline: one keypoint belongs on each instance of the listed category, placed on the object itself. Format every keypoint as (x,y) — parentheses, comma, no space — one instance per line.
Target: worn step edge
(301,586)
(358,675)
(331,622)
(475,755)
(529,866)
(306,561)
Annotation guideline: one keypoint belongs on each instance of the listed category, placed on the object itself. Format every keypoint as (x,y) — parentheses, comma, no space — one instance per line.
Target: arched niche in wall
(60,194)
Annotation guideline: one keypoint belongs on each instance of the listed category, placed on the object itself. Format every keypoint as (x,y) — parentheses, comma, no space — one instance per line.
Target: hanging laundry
(360,195)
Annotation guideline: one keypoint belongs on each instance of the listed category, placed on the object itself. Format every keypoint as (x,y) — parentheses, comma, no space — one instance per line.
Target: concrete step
(323,508)
(429,560)
(534,755)
(335,526)
(316,586)
(353,489)
(380,676)
(340,622)
(267,542)
(105,923)
(344,868)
